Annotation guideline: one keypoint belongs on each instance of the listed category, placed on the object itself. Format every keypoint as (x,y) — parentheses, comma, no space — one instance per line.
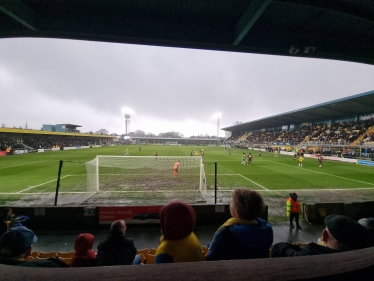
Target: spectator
(245,235)
(341,234)
(84,256)
(293,208)
(8,217)
(178,243)
(16,246)
(368,223)
(117,249)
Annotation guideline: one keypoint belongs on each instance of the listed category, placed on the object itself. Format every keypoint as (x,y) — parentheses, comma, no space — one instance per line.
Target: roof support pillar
(18,12)
(249,18)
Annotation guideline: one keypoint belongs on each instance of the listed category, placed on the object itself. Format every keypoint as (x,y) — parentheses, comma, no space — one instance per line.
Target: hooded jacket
(178,243)
(239,239)
(84,256)
(116,249)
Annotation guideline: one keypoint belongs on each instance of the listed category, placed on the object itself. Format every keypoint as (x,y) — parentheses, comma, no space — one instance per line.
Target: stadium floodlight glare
(218,115)
(127,112)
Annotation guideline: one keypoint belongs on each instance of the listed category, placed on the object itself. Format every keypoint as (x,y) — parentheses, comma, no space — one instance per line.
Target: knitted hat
(177,220)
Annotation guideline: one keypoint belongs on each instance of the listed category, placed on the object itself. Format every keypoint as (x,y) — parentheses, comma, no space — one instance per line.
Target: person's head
(293,196)
(16,243)
(177,220)
(344,234)
(368,224)
(246,204)
(83,243)
(120,224)
(8,211)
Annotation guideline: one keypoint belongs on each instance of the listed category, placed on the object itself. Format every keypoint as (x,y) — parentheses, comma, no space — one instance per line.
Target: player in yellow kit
(301,160)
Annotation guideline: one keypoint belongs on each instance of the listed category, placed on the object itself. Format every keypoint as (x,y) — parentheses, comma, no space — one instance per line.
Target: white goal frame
(93,168)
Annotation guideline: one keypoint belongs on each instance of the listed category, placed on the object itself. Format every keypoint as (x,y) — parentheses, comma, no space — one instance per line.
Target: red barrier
(3,153)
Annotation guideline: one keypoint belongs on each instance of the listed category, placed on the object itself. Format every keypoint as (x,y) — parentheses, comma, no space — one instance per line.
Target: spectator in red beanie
(84,256)
(178,243)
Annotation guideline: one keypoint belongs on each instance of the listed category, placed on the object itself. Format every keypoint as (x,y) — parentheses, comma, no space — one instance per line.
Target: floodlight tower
(218,116)
(127,112)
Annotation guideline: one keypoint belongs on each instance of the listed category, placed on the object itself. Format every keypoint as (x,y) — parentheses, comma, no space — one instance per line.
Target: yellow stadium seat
(142,258)
(150,259)
(65,260)
(30,258)
(205,250)
(35,254)
(65,254)
(47,255)
(271,247)
(153,251)
(144,252)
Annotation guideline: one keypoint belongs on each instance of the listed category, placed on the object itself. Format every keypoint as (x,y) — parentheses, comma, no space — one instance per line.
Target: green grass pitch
(36,173)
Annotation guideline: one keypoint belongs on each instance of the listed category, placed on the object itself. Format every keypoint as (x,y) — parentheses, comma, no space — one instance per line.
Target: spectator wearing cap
(245,235)
(178,243)
(84,256)
(117,249)
(16,246)
(341,234)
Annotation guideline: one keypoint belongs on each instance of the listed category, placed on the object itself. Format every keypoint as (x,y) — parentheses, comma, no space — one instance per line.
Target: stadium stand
(61,142)
(349,132)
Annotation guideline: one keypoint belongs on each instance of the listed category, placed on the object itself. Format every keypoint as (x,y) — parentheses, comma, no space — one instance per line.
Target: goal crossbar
(146,173)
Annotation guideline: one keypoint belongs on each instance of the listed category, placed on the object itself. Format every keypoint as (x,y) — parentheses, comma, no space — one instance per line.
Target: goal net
(150,178)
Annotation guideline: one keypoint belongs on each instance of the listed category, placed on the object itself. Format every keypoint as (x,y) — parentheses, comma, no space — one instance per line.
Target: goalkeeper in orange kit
(176,168)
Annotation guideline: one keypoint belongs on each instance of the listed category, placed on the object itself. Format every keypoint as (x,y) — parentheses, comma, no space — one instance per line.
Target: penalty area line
(41,184)
(23,164)
(321,173)
(253,182)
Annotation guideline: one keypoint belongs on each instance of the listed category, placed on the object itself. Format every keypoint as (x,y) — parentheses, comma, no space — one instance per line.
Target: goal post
(146,174)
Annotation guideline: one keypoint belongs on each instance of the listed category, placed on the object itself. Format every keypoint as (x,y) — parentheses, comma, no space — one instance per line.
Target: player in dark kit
(249,159)
(320,158)
(156,155)
(191,152)
(140,148)
(294,156)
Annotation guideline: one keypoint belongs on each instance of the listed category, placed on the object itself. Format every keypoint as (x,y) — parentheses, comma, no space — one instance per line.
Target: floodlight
(218,115)
(127,111)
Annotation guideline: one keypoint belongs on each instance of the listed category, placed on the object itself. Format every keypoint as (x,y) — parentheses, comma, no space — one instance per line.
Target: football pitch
(30,179)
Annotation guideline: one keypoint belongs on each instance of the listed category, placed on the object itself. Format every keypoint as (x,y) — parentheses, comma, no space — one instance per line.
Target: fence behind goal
(146,179)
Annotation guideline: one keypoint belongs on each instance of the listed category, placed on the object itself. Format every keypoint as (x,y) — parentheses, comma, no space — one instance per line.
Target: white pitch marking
(223,174)
(23,164)
(253,182)
(321,172)
(221,190)
(350,189)
(41,184)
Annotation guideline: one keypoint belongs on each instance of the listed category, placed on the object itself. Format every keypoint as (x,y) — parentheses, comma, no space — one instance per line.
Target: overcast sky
(54,81)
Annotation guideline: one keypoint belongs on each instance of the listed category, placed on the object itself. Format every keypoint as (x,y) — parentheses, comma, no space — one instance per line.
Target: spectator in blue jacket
(245,235)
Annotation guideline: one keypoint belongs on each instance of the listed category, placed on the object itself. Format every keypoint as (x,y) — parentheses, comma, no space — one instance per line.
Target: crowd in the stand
(57,142)
(45,143)
(9,143)
(244,236)
(337,132)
